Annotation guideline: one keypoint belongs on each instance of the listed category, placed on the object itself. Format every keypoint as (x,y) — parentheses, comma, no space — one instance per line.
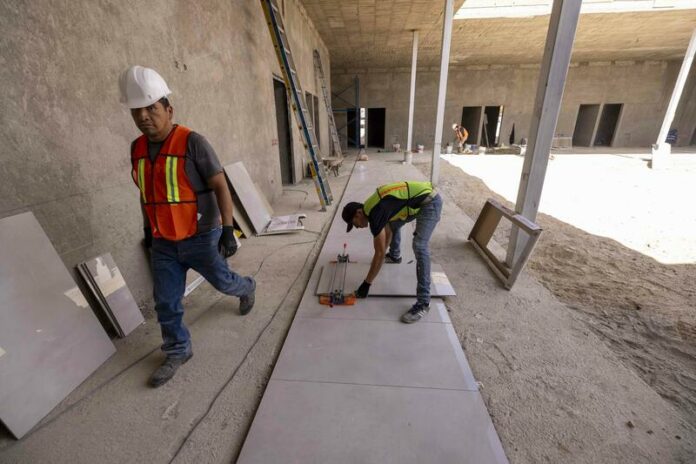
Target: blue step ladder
(299,106)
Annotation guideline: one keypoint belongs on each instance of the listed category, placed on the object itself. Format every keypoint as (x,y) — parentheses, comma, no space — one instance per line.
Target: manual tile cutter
(337,294)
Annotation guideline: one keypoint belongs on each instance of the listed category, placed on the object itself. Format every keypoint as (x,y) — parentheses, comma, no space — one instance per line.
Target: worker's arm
(146,220)
(228,243)
(218,184)
(381,241)
(147,228)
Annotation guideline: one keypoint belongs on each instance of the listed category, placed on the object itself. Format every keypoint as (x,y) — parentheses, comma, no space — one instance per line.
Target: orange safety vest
(166,192)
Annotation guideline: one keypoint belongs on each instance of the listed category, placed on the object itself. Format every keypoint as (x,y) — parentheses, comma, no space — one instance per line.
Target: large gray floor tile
(360,245)
(50,340)
(320,423)
(374,353)
(372,308)
(392,280)
(113,289)
(256,207)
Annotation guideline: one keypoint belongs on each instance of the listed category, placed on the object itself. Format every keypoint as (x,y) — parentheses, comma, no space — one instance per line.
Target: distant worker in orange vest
(187,212)
(462,134)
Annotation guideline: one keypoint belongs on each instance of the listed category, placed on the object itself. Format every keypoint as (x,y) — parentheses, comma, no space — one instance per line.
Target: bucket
(420,148)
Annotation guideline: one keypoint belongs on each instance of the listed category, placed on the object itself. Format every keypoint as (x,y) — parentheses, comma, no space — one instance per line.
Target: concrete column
(442,91)
(661,148)
(547,106)
(411,101)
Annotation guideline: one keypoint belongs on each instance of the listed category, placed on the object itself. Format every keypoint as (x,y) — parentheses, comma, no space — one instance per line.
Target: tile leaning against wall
(50,339)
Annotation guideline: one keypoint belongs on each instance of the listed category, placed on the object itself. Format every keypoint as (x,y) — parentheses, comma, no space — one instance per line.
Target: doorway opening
(355,140)
(352,138)
(606,131)
(492,122)
(284,132)
(471,121)
(376,127)
(585,125)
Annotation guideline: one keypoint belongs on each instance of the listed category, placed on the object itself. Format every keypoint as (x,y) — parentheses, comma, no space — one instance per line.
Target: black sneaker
(416,313)
(389,259)
(246,302)
(167,370)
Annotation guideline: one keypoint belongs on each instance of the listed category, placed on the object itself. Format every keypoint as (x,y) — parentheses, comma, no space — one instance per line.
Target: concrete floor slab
(370,352)
(310,422)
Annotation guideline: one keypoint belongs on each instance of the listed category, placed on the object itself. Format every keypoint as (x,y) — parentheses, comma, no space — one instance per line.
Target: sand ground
(618,247)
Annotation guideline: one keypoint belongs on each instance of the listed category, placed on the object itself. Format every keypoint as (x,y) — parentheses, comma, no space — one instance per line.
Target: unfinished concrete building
(622,73)
(558,368)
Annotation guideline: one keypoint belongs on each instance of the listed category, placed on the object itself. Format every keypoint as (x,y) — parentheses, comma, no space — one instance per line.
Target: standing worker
(187,212)
(386,211)
(462,134)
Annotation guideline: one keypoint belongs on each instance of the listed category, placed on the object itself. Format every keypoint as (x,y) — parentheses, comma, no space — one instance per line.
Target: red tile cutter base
(337,295)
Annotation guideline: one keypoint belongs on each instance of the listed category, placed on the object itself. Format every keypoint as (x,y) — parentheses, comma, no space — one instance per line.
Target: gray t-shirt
(202,163)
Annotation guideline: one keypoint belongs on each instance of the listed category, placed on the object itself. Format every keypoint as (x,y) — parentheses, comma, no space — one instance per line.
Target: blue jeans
(170,261)
(426,220)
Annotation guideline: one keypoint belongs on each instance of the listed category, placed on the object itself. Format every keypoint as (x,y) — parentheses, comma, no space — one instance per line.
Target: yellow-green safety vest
(402,191)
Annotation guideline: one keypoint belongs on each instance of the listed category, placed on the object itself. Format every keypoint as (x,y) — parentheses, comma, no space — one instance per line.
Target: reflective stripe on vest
(141,178)
(402,191)
(172,181)
(167,195)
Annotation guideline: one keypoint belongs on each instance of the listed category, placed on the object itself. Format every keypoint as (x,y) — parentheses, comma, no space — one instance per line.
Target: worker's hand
(363,290)
(227,244)
(147,237)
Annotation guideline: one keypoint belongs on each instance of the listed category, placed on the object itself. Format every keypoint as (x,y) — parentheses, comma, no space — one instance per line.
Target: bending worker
(386,211)
(462,134)
(187,212)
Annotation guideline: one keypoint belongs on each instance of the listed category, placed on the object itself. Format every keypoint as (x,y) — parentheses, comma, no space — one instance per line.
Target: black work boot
(246,302)
(167,370)
(389,259)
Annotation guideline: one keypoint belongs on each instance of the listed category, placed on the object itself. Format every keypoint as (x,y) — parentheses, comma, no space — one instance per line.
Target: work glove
(147,237)
(228,244)
(363,290)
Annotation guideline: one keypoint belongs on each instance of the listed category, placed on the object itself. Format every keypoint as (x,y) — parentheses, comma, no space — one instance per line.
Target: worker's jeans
(170,261)
(426,220)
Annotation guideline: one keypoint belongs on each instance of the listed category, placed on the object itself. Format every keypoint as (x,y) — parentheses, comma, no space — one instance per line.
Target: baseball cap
(349,212)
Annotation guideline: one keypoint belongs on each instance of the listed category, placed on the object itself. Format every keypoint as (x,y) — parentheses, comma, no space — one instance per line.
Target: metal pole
(358,116)
(442,91)
(661,147)
(414,60)
(547,106)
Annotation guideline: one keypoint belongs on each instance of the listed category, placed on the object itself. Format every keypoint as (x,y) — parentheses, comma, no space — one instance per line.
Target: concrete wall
(643,87)
(66,138)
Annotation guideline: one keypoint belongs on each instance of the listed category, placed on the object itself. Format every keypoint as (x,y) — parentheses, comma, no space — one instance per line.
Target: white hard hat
(141,87)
